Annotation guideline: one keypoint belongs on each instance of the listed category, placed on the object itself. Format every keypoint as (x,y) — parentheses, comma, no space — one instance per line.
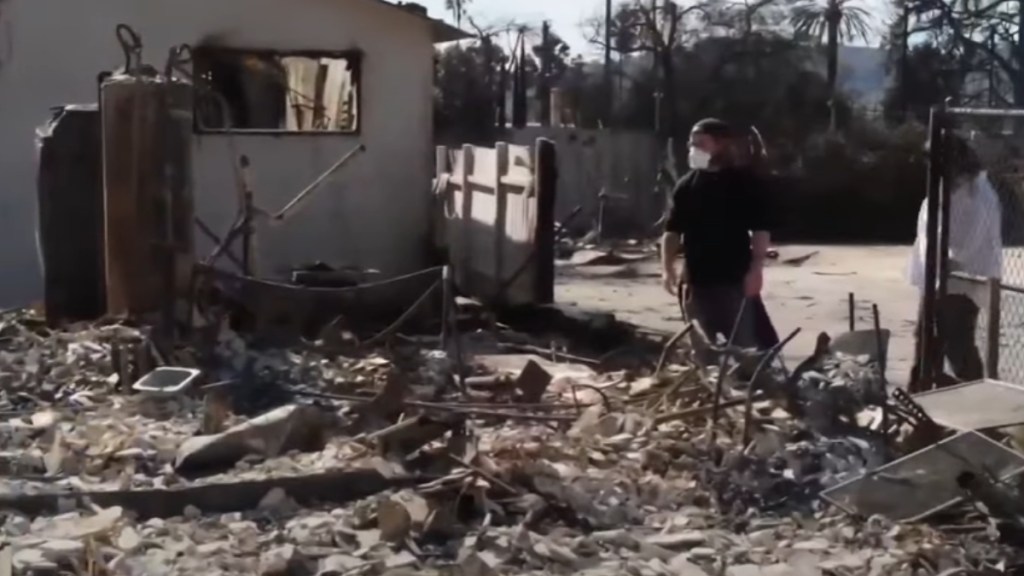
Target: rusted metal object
(70,214)
(928,481)
(766,360)
(285,312)
(147,131)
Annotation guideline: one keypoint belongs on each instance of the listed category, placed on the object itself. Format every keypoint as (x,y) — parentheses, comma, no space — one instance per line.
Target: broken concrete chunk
(287,428)
(285,561)
(402,515)
(129,540)
(472,564)
(588,424)
(75,527)
(402,559)
(532,382)
(60,551)
(339,565)
(681,566)
(33,561)
(678,541)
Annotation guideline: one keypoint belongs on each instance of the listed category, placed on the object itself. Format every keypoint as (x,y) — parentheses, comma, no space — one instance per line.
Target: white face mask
(699,159)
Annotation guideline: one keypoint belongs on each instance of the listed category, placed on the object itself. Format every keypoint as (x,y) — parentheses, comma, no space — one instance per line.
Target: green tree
(467,89)
(928,78)
(835,21)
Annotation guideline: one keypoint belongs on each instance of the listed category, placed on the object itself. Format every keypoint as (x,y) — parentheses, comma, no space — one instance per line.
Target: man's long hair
(751,152)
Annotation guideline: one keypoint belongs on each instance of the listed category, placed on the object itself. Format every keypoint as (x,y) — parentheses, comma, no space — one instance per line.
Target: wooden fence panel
(494,217)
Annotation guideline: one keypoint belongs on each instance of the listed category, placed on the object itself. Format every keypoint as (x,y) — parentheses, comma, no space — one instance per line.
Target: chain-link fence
(973,312)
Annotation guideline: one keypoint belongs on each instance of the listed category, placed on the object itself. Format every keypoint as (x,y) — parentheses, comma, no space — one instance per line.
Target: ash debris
(322,459)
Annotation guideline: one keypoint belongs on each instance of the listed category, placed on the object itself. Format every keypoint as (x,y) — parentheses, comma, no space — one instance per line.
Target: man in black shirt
(720,220)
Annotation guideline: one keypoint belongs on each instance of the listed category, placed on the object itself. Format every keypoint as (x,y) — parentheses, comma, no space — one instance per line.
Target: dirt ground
(812,296)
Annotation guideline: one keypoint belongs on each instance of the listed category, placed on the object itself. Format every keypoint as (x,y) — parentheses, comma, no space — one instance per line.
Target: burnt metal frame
(354,56)
(937,273)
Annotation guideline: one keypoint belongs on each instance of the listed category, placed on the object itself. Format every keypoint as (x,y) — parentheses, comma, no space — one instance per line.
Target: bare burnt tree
(987,39)
(653,28)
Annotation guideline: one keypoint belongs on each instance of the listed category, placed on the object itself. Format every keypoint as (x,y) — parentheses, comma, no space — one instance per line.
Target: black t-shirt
(716,211)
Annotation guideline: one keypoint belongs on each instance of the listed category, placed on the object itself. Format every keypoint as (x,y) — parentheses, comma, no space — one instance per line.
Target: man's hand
(754,282)
(670,281)
(669,264)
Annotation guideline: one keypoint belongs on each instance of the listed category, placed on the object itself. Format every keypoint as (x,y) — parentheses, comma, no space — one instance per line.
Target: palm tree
(457,8)
(836,21)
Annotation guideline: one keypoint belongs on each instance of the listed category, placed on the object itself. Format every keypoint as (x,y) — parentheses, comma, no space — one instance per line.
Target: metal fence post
(928,346)
(994,320)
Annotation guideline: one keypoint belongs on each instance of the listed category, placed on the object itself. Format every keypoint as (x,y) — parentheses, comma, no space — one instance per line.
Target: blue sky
(565,15)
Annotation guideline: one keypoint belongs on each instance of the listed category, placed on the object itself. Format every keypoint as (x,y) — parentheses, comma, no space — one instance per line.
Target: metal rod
(766,360)
(986,281)
(247,209)
(851,305)
(225,244)
(882,366)
(671,344)
(283,213)
(247,232)
(720,380)
(446,307)
(995,315)
(1003,112)
(533,254)
(942,257)
(927,328)
(397,324)
(453,319)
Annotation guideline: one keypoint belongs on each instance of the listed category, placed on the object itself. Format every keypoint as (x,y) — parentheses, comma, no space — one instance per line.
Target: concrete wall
(622,162)
(374,213)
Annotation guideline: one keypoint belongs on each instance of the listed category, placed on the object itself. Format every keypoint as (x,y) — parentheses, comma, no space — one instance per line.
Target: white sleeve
(965,226)
(994,225)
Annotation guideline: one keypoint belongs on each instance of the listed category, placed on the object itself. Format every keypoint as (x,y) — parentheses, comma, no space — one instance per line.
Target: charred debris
(215,422)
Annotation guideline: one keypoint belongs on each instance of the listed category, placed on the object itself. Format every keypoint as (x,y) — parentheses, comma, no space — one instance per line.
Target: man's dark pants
(956,322)
(716,309)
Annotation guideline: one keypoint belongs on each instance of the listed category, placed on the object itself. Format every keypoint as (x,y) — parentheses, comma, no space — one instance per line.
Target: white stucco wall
(372,214)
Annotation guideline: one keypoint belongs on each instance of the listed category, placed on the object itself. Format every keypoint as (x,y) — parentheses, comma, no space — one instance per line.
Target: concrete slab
(977,405)
(812,295)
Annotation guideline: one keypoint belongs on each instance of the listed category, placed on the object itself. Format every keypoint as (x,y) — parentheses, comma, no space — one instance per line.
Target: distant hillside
(862,72)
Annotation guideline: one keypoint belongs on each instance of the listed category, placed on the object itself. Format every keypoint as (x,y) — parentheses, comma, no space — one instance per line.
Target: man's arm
(759,221)
(760,242)
(672,239)
(670,243)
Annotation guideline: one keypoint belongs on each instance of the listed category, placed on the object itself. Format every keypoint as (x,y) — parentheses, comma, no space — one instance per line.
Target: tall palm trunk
(833,17)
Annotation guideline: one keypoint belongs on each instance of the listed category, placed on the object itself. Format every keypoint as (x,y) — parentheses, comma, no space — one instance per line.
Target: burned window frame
(354,56)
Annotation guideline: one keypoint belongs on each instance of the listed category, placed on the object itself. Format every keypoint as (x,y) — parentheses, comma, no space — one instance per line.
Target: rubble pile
(410,459)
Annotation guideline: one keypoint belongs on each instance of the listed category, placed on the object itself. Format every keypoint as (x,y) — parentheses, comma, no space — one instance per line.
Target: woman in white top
(975,248)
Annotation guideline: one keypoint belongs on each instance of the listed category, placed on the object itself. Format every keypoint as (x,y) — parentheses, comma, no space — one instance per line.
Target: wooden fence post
(465,246)
(545,169)
(500,215)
